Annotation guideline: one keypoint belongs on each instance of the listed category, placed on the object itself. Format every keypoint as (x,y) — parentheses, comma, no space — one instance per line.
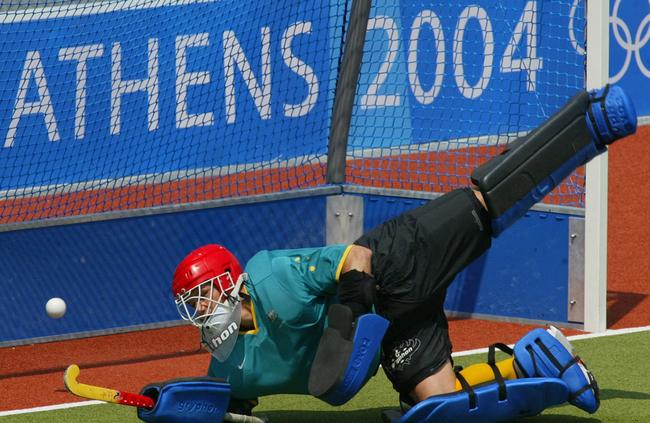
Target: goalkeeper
(267,324)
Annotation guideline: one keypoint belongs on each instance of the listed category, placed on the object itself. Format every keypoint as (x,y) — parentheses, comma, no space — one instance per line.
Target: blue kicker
(540,354)
(617,109)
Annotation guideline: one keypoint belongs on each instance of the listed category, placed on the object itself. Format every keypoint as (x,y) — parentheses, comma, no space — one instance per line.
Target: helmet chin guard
(219,333)
(214,306)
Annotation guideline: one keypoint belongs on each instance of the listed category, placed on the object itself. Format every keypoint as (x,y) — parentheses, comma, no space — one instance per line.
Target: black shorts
(415,257)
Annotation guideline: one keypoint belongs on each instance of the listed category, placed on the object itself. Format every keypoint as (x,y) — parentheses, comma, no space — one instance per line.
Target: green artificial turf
(620,364)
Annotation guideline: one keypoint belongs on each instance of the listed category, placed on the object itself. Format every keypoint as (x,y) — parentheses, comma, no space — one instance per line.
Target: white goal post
(595,286)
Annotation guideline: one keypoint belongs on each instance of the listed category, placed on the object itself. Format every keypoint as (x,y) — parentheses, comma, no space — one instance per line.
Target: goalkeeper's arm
(352,333)
(357,288)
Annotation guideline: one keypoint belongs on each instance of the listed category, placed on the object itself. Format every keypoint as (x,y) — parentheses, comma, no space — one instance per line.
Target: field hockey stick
(127,398)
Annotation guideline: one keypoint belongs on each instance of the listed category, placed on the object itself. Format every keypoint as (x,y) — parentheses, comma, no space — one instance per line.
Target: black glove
(357,290)
(244,407)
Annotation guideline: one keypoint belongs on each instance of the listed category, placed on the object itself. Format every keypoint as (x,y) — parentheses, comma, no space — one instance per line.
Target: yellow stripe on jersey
(256,328)
(342,262)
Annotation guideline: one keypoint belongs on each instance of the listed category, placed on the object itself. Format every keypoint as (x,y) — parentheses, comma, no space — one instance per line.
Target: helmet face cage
(203,301)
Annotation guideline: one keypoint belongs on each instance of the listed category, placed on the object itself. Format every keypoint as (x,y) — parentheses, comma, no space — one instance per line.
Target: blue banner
(441,70)
(169,83)
(114,89)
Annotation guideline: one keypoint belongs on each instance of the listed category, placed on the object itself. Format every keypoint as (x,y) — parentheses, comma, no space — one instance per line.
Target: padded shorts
(415,257)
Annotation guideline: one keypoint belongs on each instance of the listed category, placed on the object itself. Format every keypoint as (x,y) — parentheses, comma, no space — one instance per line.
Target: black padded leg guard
(333,351)
(534,164)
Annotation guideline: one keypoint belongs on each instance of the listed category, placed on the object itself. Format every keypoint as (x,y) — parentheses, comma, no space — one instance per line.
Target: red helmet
(206,288)
(205,263)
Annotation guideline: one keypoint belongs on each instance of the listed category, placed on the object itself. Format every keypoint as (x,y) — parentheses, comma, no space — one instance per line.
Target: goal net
(128,104)
(145,108)
(445,85)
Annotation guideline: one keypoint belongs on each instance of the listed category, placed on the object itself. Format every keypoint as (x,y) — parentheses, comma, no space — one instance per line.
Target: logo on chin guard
(218,340)
(402,354)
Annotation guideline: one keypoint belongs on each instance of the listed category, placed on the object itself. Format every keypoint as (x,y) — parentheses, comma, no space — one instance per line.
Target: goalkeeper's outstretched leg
(534,164)
(418,254)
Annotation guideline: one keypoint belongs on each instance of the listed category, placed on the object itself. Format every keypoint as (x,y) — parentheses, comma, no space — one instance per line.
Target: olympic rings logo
(632,44)
(641,38)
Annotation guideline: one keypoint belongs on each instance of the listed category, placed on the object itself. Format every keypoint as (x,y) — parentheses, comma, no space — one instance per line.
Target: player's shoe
(548,353)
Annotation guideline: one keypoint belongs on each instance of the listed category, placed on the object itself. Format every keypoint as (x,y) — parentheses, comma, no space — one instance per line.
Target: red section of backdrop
(629,232)
(32,375)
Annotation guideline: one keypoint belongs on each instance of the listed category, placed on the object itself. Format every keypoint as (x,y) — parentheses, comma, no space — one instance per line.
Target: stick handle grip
(135,400)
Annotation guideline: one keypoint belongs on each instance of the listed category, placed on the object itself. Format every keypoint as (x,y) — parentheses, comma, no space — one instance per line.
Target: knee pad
(534,164)
(347,355)
(542,353)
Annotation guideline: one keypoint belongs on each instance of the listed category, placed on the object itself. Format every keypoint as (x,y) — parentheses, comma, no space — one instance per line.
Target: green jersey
(290,292)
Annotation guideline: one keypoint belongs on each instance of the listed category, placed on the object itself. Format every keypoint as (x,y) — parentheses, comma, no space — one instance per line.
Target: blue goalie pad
(193,400)
(540,354)
(524,398)
(534,164)
(342,366)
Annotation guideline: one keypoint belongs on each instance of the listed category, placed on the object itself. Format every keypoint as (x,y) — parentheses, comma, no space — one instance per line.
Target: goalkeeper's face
(215,307)
(208,298)
(204,299)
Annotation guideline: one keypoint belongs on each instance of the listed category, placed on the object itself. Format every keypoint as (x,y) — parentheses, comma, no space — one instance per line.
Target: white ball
(55,308)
